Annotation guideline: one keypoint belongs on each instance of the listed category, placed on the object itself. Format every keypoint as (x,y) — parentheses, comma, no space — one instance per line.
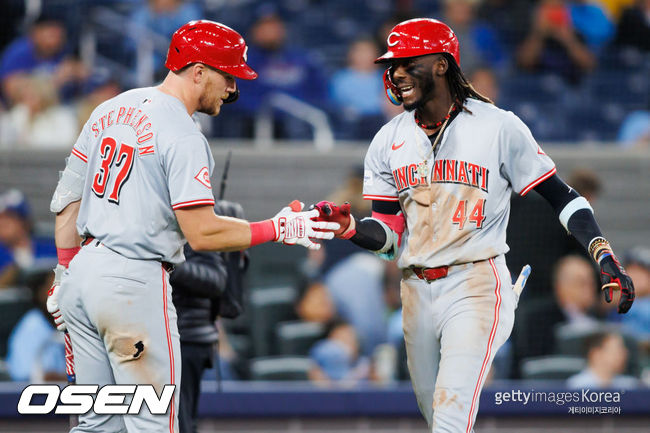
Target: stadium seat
(4,372)
(239,325)
(570,341)
(623,59)
(544,119)
(296,337)
(267,307)
(630,89)
(280,368)
(595,123)
(347,126)
(271,264)
(13,304)
(542,88)
(554,367)
(241,344)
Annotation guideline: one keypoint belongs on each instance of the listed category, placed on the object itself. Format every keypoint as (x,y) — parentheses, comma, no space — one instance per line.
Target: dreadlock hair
(460,88)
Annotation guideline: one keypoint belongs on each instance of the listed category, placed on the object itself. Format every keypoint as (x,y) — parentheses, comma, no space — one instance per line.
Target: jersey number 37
(113,159)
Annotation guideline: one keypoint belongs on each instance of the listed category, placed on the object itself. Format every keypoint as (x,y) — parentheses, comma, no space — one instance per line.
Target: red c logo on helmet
(392,44)
(419,37)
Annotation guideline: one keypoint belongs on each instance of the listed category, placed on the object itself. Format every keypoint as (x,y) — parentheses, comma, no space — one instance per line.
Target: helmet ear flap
(392,92)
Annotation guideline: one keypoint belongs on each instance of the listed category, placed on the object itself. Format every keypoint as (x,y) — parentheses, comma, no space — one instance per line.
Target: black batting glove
(613,277)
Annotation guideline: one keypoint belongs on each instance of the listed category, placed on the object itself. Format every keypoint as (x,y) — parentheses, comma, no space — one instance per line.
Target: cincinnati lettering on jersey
(444,171)
(407,177)
(126,116)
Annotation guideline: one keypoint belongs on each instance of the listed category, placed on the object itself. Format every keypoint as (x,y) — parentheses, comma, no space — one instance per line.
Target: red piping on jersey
(380,197)
(169,348)
(488,353)
(192,203)
(537,181)
(79,155)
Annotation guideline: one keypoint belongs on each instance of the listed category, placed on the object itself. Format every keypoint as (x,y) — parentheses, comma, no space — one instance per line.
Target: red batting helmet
(211,43)
(418,37)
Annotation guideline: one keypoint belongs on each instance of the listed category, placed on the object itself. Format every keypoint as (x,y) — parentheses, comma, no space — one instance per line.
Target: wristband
(65,255)
(598,246)
(351,230)
(262,231)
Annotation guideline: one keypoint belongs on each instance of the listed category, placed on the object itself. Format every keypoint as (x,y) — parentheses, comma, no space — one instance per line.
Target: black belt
(169,267)
(87,240)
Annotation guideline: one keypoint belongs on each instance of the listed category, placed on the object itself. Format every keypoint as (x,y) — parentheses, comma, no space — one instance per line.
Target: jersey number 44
(476,216)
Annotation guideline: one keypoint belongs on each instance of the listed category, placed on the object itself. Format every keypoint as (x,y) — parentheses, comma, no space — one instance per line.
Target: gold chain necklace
(423,167)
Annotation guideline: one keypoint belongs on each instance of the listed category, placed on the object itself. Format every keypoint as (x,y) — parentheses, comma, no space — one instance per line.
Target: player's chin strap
(232,97)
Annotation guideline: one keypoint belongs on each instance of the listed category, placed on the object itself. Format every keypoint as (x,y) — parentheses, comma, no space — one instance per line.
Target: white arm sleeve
(70,186)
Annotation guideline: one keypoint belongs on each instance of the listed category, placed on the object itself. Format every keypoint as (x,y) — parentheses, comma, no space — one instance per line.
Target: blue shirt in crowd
(288,70)
(164,24)
(44,251)
(33,343)
(592,23)
(361,93)
(356,288)
(21,56)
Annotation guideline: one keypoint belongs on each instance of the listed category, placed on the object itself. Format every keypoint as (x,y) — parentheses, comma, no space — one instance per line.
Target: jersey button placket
(434,207)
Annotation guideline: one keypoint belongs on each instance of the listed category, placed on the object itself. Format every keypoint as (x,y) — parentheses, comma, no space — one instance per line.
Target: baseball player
(135,188)
(440,177)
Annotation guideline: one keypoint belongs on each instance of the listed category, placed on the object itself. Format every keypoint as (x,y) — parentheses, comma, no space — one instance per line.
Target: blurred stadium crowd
(573,70)
(338,321)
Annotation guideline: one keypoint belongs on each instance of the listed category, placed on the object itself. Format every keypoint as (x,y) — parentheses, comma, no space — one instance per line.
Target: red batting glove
(328,211)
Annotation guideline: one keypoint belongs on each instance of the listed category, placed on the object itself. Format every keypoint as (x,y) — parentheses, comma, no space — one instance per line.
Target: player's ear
(198,72)
(440,66)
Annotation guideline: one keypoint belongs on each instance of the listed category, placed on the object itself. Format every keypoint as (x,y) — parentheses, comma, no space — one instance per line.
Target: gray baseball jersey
(463,216)
(146,158)
(456,204)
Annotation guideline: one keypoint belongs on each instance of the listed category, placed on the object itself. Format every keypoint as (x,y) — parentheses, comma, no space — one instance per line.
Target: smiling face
(413,77)
(217,86)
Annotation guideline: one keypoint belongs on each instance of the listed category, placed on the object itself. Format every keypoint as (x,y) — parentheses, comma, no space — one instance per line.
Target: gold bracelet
(594,243)
(597,246)
(601,252)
